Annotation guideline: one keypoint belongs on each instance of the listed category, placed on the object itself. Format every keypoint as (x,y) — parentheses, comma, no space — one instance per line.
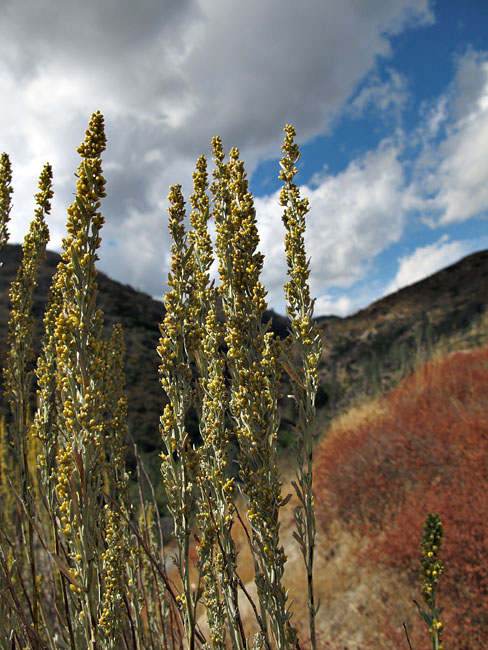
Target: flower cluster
(73,345)
(431,569)
(114,424)
(301,359)
(5,200)
(253,362)
(22,323)
(430,563)
(80,419)
(45,417)
(180,460)
(217,552)
(105,570)
(115,558)
(18,370)
(201,322)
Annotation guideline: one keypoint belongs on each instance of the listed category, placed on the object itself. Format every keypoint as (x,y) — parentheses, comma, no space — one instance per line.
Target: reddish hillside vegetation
(424,449)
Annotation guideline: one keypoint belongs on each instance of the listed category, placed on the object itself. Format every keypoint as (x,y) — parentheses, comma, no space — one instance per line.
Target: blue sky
(389,99)
(420,78)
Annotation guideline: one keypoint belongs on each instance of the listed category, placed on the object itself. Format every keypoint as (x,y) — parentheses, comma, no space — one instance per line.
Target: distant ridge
(443,304)
(139,315)
(462,281)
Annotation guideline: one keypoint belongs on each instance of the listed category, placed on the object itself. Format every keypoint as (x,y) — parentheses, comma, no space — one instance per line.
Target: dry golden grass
(354,595)
(361,414)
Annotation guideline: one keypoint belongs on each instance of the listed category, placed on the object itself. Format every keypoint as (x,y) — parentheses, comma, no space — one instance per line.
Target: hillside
(367,352)
(139,315)
(379,470)
(362,354)
(381,466)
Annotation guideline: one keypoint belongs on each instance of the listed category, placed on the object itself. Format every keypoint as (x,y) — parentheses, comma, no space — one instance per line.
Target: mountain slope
(367,352)
(139,315)
(379,471)
(363,352)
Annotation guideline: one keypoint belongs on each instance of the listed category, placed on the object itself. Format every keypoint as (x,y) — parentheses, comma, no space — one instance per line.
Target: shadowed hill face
(358,351)
(391,332)
(139,315)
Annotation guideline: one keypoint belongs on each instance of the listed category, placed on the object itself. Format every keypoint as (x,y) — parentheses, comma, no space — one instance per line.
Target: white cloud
(452,175)
(388,96)
(427,260)
(356,214)
(353,217)
(326,306)
(434,115)
(168,75)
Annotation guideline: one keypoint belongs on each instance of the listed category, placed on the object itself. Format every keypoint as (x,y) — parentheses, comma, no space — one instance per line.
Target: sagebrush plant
(68,529)
(18,378)
(6,190)
(98,562)
(306,343)
(236,395)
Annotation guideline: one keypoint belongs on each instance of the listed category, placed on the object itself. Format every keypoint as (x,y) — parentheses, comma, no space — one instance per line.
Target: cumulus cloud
(388,96)
(353,217)
(168,75)
(358,213)
(452,172)
(326,305)
(427,260)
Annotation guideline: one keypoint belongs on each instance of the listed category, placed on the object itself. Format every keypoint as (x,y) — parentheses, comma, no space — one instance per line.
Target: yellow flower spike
(305,338)
(5,197)
(17,376)
(243,382)
(430,569)
(80,384)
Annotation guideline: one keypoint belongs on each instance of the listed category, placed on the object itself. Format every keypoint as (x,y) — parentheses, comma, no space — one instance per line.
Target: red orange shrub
(427,451)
